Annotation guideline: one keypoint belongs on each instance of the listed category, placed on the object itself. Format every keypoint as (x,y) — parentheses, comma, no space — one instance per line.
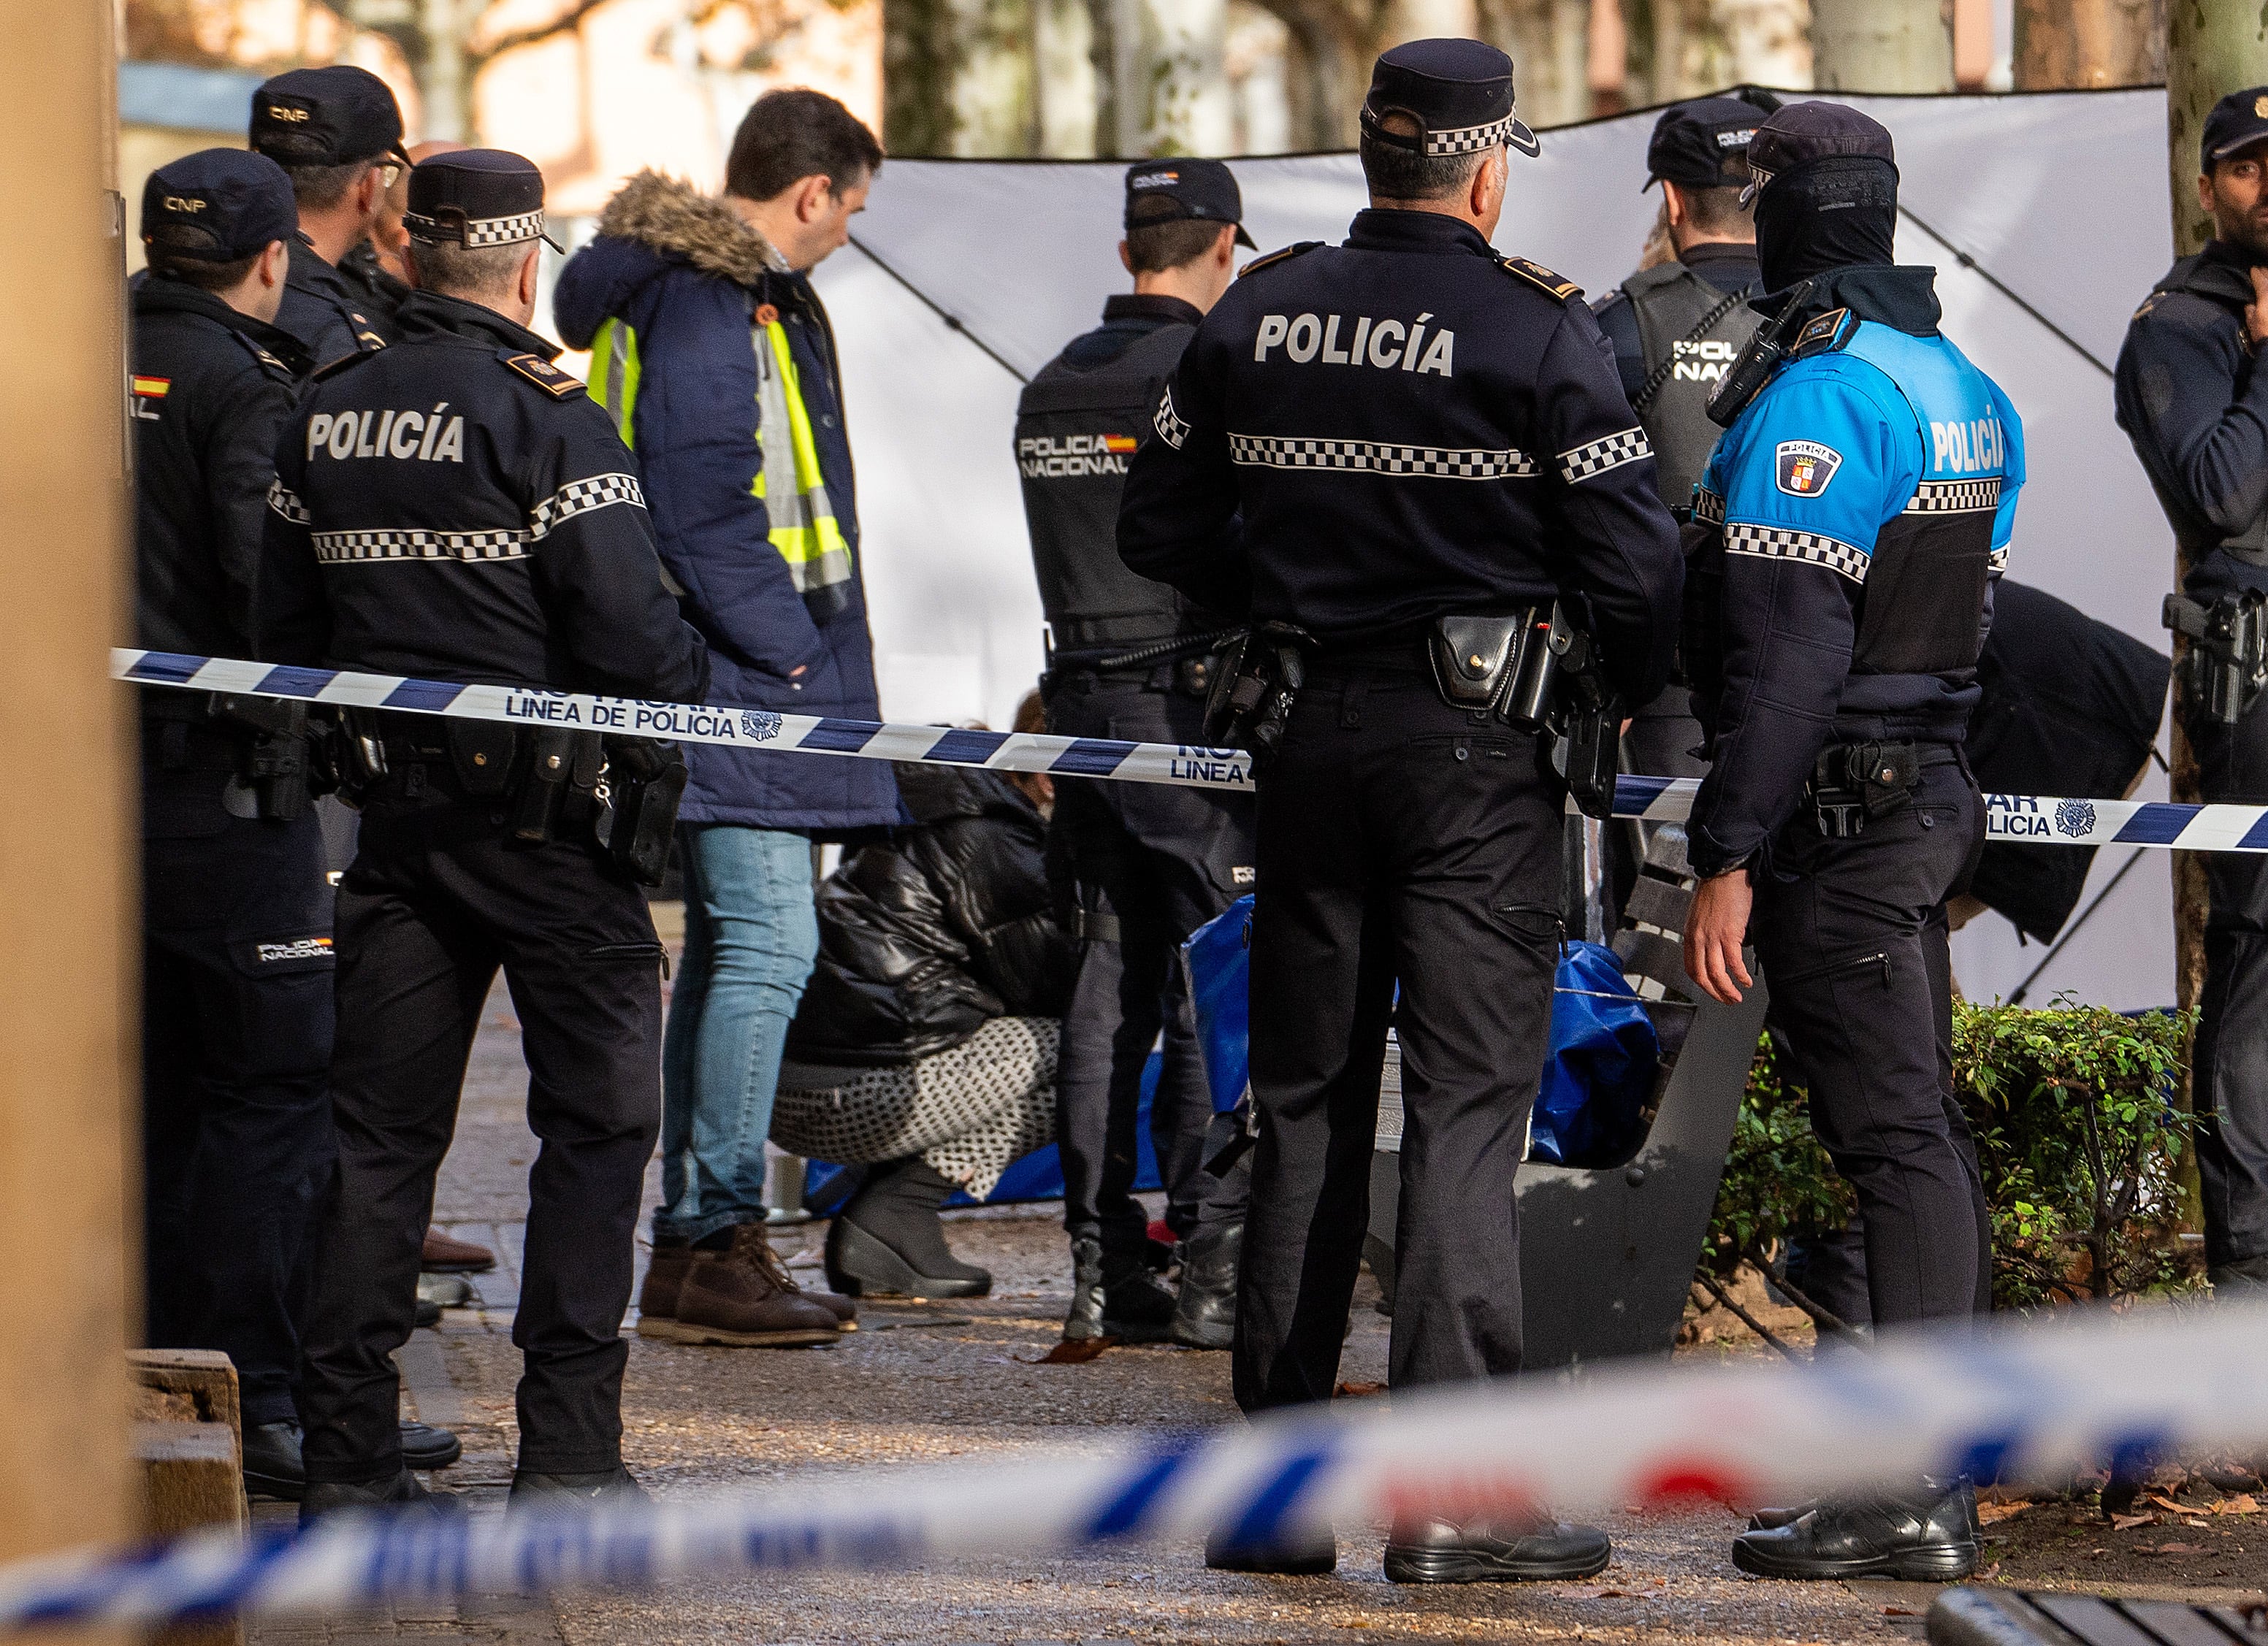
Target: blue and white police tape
(2023,1405)
(2033,819)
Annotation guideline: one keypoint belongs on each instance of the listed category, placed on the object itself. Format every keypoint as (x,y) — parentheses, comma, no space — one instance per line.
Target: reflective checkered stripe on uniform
(1379,457)
(419,543)
(1597,457)
(1771,542)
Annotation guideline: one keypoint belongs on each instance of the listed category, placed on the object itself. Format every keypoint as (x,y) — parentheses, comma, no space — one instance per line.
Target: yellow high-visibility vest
(804,527)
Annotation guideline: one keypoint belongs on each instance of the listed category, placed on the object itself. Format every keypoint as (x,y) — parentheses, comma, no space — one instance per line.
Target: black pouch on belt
(1476,660)
(645,782)
(1854,782)
(480,754)
(553,764)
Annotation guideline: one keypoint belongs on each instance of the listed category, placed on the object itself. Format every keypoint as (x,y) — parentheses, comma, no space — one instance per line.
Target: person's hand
(1713,930)
(2255,313)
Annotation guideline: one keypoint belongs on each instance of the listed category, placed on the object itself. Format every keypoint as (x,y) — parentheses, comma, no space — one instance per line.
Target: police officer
(1385,445)
(336,132)
(456,508)
(2191,399)
(1132,658)
(1675,327)
(1842,539)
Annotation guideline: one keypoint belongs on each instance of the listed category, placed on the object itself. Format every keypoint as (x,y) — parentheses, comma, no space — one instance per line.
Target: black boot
(404,1491)
(888,1241)
(1115,1297)
(272,1467)
(1494,1551)
(1303,1555)
(610,1486)
(1204,1310)
(1926,1534)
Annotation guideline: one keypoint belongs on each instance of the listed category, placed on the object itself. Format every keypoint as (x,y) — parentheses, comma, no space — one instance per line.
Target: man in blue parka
(712,354)
(1844,539)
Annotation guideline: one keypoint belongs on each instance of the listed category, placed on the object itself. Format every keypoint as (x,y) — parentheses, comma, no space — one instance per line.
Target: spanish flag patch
(1121,442)
(152,389)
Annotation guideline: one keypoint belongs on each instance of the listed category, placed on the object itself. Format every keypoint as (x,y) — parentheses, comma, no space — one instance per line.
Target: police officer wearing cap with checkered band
(1132,658)
(2192,399)
(1675,327)
(455,508)
(336,132)
(1386,444)
(1843,538)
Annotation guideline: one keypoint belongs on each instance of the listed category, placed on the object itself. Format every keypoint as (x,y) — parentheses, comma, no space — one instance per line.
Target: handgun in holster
(645,783)
(2227,664)
(272,757)
(1854,782)
(1252,695)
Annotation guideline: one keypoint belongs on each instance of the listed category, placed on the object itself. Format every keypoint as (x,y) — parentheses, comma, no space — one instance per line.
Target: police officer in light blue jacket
(1845,538)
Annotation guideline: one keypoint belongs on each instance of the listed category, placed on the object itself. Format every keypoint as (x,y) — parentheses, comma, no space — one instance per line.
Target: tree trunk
(1691,52)
(1064,88)
(1333,61)
(2076,44)
(1881,46)
(1769,41)
(441,71)
(1548,42)
(1170,79)
(958,77)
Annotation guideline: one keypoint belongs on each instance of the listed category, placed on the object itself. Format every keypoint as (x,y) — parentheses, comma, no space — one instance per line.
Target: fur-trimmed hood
(654,224)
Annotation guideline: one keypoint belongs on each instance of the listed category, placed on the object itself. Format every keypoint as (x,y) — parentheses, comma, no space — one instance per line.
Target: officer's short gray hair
(482,271)
(319,187)
(1403,174)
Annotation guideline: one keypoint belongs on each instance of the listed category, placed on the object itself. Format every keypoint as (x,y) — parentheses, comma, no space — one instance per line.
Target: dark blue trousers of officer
(1399,839)
(236,1055)
(1153,863)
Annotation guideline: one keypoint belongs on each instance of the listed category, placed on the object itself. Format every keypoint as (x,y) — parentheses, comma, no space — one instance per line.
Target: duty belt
(1852,782)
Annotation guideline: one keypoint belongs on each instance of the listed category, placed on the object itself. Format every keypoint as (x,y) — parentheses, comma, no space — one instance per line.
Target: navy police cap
(216,206)
(329,116)
(1802,133)
(1703,144)
(1458,92)
(2237,121)
(476,197)
(1180,190)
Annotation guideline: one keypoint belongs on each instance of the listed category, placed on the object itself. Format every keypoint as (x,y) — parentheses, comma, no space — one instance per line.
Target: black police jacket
(322,309)
(1411,426)
(212,390)
(1078,423)
(929,936)
(456,508)
(2190,398)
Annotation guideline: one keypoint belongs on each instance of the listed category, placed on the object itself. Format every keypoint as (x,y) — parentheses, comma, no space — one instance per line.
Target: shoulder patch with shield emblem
(1805,466)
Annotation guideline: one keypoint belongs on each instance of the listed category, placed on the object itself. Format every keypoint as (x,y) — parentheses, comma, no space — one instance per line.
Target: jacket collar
(1378,229)
(160,294)
(1153,306)
(678,221)
(432,313)
(1901,296)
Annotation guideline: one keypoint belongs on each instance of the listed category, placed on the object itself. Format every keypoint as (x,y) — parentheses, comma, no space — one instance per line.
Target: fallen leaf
(1073,1352)
(2159,1500)
(1899,1611)
(1356,1391)
(2171,1548)
(1603,1594)
(2199,1525)
(1988,1514)
(2242,1503)
(2127,1522)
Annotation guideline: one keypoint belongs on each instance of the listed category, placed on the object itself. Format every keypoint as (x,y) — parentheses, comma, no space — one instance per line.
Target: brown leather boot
(735,1298)
(844,1309)
(665,1279)
(444,1254)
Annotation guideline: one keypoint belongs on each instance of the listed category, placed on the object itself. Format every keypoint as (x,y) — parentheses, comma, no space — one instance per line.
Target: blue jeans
(751,938)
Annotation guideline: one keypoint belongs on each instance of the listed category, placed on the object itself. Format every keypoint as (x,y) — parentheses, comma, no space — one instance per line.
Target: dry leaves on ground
(1991,1513)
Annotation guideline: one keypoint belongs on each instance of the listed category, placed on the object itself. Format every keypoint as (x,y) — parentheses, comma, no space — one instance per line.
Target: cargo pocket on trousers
(283,1012)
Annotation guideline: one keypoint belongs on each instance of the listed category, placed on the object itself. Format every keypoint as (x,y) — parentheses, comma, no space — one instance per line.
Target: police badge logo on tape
(1806,467)
(758,726)
(2074,818)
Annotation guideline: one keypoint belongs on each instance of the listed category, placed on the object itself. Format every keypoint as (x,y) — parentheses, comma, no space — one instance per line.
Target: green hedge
(2076,1131)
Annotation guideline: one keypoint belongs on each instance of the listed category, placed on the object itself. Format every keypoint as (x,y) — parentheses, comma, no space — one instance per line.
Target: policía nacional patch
(1805,466)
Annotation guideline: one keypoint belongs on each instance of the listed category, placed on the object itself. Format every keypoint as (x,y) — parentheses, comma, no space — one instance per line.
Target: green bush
(2078,1138)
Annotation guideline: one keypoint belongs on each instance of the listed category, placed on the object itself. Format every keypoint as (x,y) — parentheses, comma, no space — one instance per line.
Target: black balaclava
(1830,214)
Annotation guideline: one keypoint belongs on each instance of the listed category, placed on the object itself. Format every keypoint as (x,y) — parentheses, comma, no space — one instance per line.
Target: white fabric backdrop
(2060,196)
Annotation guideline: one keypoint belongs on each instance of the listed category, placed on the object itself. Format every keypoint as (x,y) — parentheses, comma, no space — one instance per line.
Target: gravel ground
(924,1382)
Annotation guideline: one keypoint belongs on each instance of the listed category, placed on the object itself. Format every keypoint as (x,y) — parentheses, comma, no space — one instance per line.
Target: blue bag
(1602,1067)
(1217,957)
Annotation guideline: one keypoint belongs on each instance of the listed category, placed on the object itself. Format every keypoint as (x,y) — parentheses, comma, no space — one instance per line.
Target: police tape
(2034,1406)
(2034,819)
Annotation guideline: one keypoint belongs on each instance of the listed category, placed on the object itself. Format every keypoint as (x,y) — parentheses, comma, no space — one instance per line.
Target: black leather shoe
(426,1447)
(1303,1555)
(1204,1309)
(1494,1551)
(404,1490)
(1772,1519)
(1116,1297)
(429,1312)
(272,1465)
(1922,1535)
(617,1485)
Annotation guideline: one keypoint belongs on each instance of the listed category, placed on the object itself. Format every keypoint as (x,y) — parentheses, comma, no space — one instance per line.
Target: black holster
(645,783)
(1260,678)
(1539,673)
(2225,665)
(273,757)
(1854,782)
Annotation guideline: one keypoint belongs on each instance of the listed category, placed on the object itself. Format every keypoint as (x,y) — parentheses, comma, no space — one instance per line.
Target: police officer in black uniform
(2191,398)
(455,509)
(236,912)
(1132,658)
(336,132)
(1381,444)
(1675,327)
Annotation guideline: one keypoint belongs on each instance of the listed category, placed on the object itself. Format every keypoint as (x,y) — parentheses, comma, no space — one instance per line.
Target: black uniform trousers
(1153,864)
(236,1051)
(2229,1064)
(1400,839)
(1852,939)
(437,901)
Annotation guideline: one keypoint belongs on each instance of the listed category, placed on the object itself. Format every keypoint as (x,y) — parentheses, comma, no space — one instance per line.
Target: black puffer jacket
(926,937)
